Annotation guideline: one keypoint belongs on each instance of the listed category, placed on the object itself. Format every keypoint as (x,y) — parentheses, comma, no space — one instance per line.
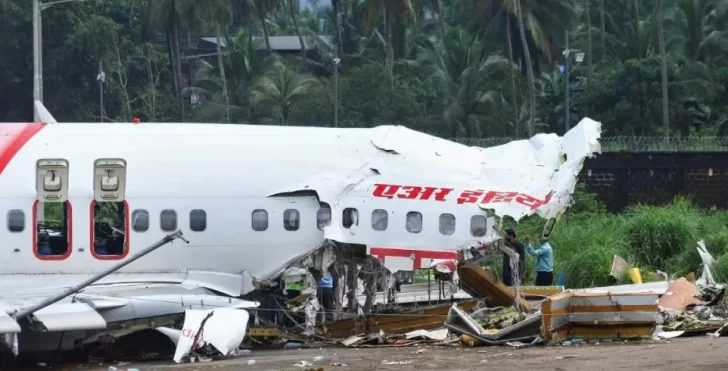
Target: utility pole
(37,73)
(101,77)
(579,57)
(38,50)
(336,91)
(567,97)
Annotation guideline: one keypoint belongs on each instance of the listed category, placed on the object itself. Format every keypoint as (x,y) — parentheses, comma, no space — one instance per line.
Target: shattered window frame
(291,220)
(323,216)
(380,220)
(414,222)
(138,221)
(259,220)
(16,221)
(447,224)
(474,229)
(198,220)
(168,220)
(349,217)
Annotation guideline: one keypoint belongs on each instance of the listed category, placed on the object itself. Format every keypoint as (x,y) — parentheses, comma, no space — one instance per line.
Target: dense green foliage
(455,68)
(650,238)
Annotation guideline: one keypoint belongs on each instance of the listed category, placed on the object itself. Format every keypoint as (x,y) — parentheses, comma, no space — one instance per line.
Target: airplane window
(323,216)
(414,222)
(198,220)
(52,229)
(380,220)
(478,225)
(16,221)
(350,217)
(259,220)
(109,229)
(140,220)
(168,220)
(291,220)
(447,224)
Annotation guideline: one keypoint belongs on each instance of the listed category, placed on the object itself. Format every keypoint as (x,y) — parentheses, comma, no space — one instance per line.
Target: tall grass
(649,237)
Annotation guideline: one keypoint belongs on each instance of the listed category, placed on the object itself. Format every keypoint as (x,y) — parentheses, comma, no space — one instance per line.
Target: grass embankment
(652,238)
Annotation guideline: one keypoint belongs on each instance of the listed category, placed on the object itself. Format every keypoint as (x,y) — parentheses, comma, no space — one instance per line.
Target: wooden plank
(480,284)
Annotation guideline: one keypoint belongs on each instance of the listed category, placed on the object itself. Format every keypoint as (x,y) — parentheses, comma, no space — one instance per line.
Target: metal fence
(632,144)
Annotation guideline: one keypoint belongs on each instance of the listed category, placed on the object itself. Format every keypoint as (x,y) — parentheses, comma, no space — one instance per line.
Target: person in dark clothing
(513,243)
(326,284)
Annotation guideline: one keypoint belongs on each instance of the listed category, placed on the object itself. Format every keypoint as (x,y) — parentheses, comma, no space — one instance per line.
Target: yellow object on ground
(635,275)
(690,277)
(469,341)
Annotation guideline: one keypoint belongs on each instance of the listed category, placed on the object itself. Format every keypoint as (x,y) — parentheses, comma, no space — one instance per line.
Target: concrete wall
(624,179)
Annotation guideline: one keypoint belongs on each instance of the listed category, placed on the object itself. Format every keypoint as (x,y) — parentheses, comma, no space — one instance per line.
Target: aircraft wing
(104,309)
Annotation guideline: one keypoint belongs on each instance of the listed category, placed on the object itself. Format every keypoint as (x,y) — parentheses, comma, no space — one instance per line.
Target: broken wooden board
(598,315)
(426,318)
(477,282)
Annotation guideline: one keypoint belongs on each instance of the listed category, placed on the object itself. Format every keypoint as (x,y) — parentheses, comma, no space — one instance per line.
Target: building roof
(278,43)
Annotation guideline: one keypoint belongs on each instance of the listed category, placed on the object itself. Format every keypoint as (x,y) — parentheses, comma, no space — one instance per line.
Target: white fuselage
(229,171)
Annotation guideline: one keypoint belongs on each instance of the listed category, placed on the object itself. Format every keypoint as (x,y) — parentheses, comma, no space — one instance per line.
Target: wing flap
(73,316)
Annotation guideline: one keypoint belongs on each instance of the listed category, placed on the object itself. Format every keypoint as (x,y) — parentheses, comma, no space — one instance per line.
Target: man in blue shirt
(544,261)
(326,284)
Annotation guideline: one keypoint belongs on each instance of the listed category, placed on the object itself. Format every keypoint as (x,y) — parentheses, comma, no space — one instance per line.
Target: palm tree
(529,70)
(262,7)
(281,90)
(166,15)
(217,13)
(294,16)
(464,78)
(603,27)
(663,65)
(437,4)
(389,10)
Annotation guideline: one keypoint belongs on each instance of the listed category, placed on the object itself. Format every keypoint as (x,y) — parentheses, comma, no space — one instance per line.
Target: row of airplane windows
(168,221)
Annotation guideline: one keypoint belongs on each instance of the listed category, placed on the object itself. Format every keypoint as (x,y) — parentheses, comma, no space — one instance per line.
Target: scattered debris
(389,363)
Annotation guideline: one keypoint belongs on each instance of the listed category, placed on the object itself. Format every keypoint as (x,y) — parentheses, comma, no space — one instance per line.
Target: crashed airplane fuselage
(251,200)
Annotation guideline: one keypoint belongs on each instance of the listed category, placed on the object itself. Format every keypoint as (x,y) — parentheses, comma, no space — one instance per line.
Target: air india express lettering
(392,191)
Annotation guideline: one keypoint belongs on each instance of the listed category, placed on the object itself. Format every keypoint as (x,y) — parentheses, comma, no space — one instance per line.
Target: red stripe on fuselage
(12,138)
(418,255)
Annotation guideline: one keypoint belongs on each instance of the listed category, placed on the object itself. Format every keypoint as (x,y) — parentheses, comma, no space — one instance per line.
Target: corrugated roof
(278,42)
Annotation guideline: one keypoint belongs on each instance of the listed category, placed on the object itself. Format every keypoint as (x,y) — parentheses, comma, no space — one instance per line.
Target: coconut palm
(467,82)
(388,11)
(218,14)
(281,90)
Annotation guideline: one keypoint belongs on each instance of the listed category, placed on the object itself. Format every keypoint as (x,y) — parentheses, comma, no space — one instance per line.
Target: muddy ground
(697,353)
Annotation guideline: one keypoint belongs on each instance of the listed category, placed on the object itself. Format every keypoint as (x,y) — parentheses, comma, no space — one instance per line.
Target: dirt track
(698,353)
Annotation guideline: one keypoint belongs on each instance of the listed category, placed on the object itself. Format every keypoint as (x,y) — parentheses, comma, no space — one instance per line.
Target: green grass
(651,238)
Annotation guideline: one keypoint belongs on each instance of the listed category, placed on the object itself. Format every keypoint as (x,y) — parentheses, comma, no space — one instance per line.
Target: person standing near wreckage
(544,261)
(326,283)
(513,243)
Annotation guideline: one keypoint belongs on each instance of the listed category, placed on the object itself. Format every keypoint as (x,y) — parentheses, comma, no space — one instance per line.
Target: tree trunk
(294,16)
(178,57)
(389,63)
(221,66)
(663,66)
(603,24)
(172,59)
(589,44)
(509,45)
(529,72)
(441,16)
(261,15)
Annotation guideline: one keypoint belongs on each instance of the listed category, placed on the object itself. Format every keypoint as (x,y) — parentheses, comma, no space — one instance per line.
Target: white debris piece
(223,328)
